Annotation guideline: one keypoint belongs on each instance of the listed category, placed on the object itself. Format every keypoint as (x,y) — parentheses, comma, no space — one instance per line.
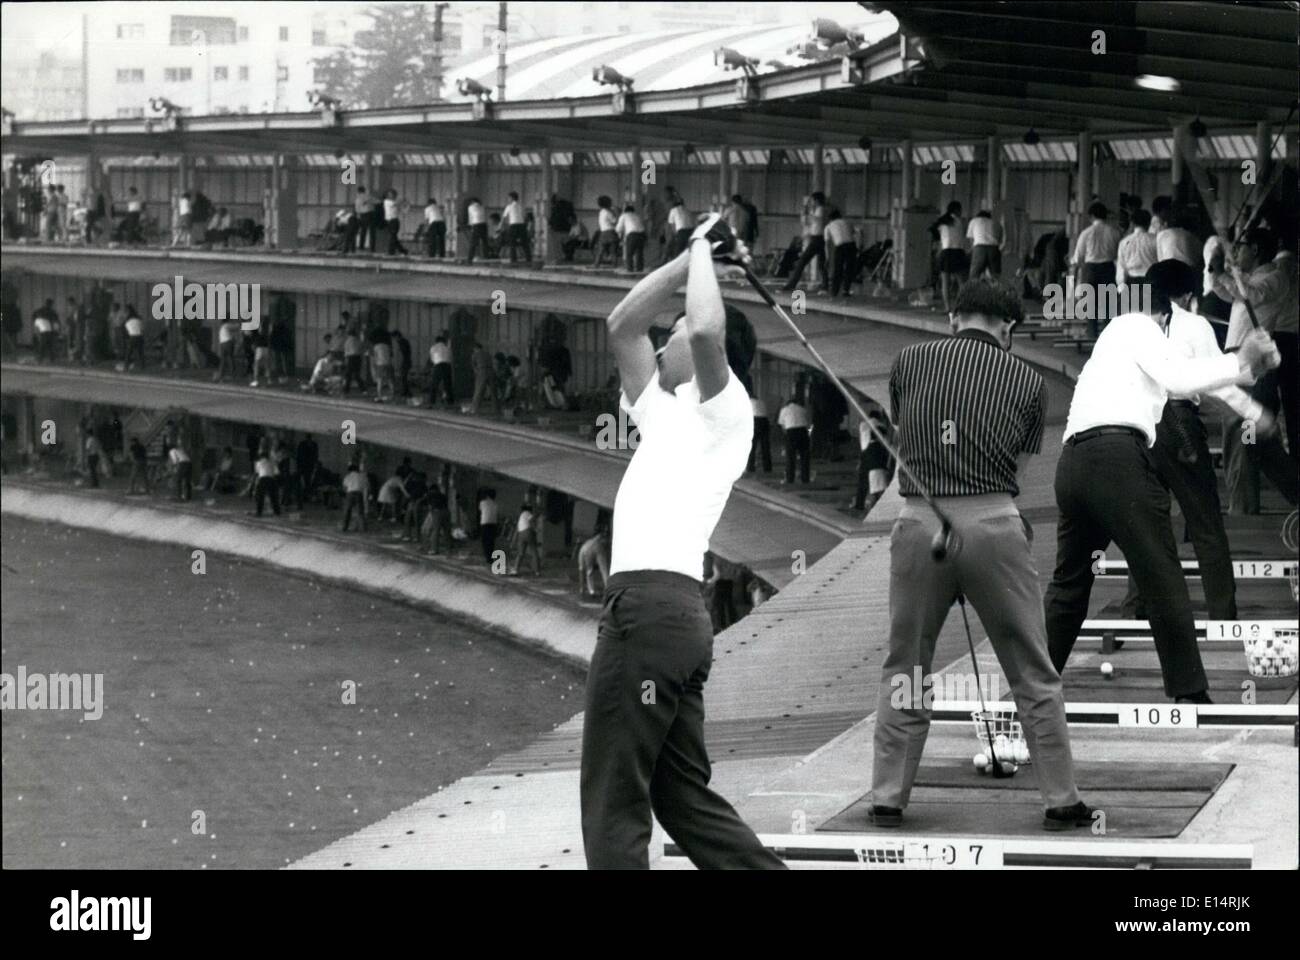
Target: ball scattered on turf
(981,762)
(1107,670)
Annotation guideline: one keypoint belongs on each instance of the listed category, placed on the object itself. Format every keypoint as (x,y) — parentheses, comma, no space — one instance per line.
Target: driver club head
(944,544)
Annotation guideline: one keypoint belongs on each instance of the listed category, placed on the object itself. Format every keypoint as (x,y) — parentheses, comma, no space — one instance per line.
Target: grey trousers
(995,571)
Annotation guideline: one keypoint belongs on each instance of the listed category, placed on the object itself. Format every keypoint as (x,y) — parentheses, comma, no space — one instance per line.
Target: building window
(206,30)
(243,73)
(318,38)
(243,33)
(284,34)
(220,73)
(130,113)
(281,74)
(243,108)
(130,31)
(178,74)
(130,75)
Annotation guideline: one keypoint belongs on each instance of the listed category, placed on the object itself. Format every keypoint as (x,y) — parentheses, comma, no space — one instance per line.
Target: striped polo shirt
(965,409)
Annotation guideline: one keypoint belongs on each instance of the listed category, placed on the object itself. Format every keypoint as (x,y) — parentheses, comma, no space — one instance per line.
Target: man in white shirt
(843,254)
(1137,251)
(795,420)
(985,235)
(1094,262)
(354,497)
(440,380)
(1173,242)
(647,754)
(606,240)
(526,541)
(266,481)
(1261,281)
(182,470)
(1184,465)
(365,210)
(1106,481)
(631,230)
(515,228)
(435,230)
(680,226)
(476,220)
(814,218)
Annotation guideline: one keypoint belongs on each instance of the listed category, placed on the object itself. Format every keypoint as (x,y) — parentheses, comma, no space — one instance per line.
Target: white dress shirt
(1271,288)
(629,223)
(605,220)
(1191,335)
(475,214)
(433,213)
(793,415)
(1175,243)
(440,353)
(839,232)
(1137,255)
(1099,243)
(680,477)
(513,213)
(983,232)
(1133,369)
(679,218)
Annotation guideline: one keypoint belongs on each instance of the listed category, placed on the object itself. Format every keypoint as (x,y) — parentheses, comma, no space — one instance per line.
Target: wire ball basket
(1273,655)
(1008,735)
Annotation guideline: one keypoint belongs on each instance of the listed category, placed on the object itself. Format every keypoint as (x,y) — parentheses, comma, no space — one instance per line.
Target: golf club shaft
(979,687)
(763,292)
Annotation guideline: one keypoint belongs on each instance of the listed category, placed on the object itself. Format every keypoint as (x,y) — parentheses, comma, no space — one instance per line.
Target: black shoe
(885,816)
(1200,696)
(1067,818)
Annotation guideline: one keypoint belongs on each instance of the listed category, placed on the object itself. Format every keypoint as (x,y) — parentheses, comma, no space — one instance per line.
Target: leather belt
(1083,435)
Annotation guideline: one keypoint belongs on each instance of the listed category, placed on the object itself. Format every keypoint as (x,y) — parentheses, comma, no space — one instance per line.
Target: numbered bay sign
(1158,715)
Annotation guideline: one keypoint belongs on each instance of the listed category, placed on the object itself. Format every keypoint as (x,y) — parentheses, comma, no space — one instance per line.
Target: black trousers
(643,746)
(816,248)
(488,534)
(1187,472)
(264,488)
(1287,376)
(440,385)
(435,239)
(1108,491)
(846,261)
(184,481)
(1098,275)
(762,445)
(352,373)
(355,501)
(797,444)
(478,241)
(92,469)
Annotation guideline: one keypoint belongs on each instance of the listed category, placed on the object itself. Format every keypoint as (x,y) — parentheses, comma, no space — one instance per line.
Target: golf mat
(1154,800)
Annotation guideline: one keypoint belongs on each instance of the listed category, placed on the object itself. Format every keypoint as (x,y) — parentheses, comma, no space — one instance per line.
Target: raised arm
(706,321)
(629,325)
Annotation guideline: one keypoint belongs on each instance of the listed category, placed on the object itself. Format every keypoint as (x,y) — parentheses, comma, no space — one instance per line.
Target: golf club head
(945,543)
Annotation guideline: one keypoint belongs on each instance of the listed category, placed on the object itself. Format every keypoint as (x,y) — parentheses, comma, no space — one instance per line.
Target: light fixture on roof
(1031,136)
(515,151)
(688,150)
(729,59)
(608,76)
(469,87)
(1197,128)
(864,143)
(1151,81)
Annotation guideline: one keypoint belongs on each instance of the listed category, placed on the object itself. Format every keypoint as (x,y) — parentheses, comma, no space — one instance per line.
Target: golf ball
(1010,769)
(1107,670)
(1002,747)
(1020,752)
(981,762)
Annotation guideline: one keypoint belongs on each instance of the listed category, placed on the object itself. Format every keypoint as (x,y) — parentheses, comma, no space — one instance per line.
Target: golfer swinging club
(643,729)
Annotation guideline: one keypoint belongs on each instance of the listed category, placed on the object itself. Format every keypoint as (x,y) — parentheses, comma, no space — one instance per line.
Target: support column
(1263,150)
(993,173)
(907,152)
(283,226)
(819,169)
(637,192)
(724,176)
(1082,185)
(453,215)
(1176,164)
(550,243)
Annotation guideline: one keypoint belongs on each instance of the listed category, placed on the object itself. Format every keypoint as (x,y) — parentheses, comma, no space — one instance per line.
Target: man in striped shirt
(968,415)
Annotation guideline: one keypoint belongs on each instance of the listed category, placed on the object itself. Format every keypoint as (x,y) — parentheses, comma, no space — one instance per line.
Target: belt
(1083,435)
(1185,404)
(634,578)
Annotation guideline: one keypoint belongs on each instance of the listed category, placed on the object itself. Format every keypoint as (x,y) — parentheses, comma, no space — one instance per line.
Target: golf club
(945,540)
(999,772)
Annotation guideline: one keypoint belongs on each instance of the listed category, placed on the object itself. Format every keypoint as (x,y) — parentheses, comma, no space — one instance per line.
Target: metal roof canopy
(956,71)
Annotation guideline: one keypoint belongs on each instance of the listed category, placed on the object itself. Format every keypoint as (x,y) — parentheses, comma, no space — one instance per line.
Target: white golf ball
(1002,747)
(981,762)
(1010,769)
(1020,752)
(1107,670)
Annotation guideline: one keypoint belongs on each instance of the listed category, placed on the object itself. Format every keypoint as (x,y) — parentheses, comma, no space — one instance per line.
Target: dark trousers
(796,447)
(816,248)
(184,481)
(1098,275)
(435,239)
(92,469)
(352,373)
(227,363)
(516,237)
(723,605)
(846,262)
(134,350)
(365,231)
(1186,470)
(1287,376)
(488,535)
(1244,462)
(392,245)
(634,252)
(355,501)
(264,488)
(643,746)
(1108,491)
(440,386)
(439,530)
(350,236)
(478,241)
(761,449)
